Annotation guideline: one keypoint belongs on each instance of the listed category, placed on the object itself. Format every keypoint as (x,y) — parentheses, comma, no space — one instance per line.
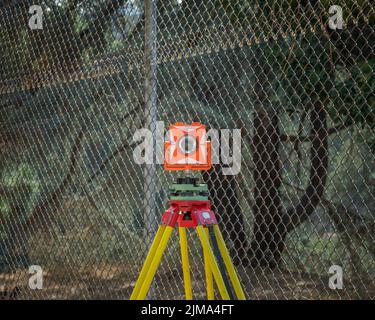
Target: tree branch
(95,30)
(311,137)
(115,152)
(318,171)
(39,215)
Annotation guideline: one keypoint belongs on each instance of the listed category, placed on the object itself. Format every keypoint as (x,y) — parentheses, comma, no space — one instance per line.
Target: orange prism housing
(187,147)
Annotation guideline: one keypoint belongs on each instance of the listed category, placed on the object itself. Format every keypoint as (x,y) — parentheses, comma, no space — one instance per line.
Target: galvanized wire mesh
(297,83)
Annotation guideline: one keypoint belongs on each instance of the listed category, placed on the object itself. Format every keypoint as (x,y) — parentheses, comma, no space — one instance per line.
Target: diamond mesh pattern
(73,93)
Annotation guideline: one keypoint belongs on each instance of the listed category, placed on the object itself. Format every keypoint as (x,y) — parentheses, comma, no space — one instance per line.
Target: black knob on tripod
(187,180)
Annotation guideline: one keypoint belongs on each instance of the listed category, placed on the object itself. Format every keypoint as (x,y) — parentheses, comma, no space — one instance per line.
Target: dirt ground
(110,282)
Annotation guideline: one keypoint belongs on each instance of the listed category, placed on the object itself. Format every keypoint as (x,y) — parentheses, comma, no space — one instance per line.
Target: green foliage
(238,11)
(354,95)
(21,186)
(301,71)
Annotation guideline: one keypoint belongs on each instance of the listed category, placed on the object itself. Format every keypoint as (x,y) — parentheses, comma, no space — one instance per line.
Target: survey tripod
(189,207)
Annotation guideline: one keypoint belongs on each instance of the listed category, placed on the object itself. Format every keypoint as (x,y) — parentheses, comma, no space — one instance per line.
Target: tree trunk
(225,203)
(272,225)
(267,245)
(318,171)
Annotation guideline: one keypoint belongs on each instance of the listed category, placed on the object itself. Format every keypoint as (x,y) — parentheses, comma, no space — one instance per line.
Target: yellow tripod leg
(155,263)
(185,263)
(208,273)
(229,265)
(213,264)
(147,263)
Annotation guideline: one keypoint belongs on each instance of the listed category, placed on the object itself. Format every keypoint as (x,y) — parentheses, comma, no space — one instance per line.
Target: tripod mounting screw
(206,215)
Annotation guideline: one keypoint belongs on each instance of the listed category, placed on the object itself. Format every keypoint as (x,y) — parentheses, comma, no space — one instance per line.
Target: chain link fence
(78,78)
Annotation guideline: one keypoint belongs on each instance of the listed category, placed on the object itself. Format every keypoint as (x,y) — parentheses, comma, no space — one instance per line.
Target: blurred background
(296,77)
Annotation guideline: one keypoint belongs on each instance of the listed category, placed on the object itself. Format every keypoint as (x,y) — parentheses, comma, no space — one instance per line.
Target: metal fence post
(150,96)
